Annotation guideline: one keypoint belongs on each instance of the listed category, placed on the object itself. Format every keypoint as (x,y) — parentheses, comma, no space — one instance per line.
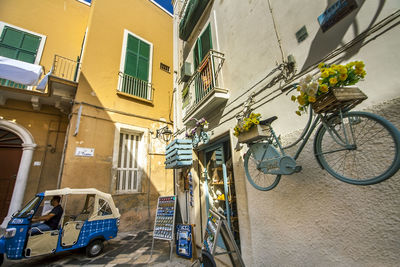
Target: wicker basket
(338,98)
(255,133)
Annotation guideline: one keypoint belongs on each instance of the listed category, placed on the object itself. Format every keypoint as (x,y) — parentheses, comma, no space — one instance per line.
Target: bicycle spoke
(373,151)
(365,141)
(366,132)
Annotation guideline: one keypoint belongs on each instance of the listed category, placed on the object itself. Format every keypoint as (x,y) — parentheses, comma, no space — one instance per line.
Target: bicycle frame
(271,158)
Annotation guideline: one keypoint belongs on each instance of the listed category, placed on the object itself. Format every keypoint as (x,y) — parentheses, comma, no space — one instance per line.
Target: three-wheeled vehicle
(89,218)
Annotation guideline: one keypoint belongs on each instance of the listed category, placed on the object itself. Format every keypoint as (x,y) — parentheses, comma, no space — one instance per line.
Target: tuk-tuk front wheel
(94,248)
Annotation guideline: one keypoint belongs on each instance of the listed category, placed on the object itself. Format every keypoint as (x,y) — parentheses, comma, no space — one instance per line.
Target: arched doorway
(10,157)
(15,136)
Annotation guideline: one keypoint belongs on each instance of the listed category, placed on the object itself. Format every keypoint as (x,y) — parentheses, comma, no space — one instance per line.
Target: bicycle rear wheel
(257,177)
(372,155)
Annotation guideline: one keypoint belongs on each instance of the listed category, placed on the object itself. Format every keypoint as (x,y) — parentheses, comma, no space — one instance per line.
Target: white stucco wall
(310,218)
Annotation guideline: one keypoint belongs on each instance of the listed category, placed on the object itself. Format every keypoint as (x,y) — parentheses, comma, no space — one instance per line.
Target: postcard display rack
(165,221)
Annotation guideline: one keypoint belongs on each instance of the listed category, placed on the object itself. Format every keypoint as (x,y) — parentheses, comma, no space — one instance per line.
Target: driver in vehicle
(51,220)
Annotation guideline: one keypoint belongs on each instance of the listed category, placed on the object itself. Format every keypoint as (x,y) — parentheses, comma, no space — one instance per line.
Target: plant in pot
(330,91)
(248,128)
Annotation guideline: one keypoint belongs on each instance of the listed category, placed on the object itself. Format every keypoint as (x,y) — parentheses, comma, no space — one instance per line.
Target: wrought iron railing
(134,86)
(206,77)
(66,68)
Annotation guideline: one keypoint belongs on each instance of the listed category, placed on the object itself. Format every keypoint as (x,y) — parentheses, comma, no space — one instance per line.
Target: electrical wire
(362,36)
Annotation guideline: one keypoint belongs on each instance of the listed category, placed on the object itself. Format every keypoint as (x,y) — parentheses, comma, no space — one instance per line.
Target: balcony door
(202,47)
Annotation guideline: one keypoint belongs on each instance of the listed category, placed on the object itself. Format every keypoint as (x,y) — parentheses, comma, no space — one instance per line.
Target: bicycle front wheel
(257,177)
(371,154)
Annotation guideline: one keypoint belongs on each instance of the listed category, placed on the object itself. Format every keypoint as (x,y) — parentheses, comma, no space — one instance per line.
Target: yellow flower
(332,71)
(320,81)
(350,65)
(343,70)
(332,81)
(358,71)
(301,100)
(293,98)
(298,88)
(363,73)
(320,65)
(325,74)
(298,112)
(324,88)
(343,76)
(311,99)
(301,108)
(359,64)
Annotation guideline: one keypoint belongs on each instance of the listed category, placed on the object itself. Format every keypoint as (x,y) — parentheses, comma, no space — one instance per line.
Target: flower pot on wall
(255,133)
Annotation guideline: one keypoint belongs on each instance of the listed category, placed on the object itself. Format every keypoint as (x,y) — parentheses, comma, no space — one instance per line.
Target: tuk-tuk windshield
(26,211)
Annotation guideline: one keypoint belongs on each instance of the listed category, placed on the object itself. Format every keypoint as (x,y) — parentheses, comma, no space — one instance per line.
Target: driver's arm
(43,218)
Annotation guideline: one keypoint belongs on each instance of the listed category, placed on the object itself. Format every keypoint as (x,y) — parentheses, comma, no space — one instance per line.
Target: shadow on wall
(137,209)
(326,42)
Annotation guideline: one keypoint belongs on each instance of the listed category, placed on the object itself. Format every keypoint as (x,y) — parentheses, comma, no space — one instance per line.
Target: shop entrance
(10,157)
(220,185)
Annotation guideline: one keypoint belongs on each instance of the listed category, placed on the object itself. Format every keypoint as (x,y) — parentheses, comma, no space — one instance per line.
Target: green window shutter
(206,42)
(19,45)
(137,60)
(196,57)
(203,45)
(144,61)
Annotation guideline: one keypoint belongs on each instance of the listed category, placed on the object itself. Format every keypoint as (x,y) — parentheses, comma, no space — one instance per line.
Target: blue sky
(165,4)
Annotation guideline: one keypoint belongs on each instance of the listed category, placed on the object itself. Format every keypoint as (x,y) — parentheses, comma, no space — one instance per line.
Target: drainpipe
(63,153)
(149,176)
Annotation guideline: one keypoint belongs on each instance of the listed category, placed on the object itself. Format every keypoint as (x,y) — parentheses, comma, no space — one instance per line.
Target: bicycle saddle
(268,121)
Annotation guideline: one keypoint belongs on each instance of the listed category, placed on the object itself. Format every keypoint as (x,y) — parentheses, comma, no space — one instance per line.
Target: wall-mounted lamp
(164,133)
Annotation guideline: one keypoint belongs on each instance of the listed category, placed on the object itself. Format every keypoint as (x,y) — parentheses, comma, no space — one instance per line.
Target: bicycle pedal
(298,169)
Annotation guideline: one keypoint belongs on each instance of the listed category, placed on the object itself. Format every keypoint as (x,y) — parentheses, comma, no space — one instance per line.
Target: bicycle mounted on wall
(346,145)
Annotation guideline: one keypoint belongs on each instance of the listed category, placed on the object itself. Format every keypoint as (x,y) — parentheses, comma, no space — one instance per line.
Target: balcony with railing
(134,87)
(203,92)
(66,69)
(61,80)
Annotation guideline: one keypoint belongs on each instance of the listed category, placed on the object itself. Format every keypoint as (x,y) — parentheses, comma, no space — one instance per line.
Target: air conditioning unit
(186,71)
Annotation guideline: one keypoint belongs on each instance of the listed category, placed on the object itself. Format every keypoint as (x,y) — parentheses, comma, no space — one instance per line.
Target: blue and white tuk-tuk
(89,218)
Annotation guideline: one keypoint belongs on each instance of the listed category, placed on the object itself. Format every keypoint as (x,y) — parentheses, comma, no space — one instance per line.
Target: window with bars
(128,170)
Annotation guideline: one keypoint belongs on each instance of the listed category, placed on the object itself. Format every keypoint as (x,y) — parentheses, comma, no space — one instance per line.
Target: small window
(164,67)
(87,2)
(104,208)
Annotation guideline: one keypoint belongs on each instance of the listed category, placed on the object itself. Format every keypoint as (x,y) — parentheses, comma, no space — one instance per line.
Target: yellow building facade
(109,92)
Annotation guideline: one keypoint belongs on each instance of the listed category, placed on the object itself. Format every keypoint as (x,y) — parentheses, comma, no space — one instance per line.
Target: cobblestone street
(125,250)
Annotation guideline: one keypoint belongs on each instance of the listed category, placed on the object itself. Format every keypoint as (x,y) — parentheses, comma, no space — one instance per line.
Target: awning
(192,15)
(19,71)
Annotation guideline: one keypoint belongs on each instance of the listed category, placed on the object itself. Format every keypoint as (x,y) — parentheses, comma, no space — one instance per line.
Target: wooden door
(10,157)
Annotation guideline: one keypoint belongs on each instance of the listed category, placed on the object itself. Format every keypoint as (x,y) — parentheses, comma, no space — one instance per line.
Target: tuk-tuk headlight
(10,232)
(118,222)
